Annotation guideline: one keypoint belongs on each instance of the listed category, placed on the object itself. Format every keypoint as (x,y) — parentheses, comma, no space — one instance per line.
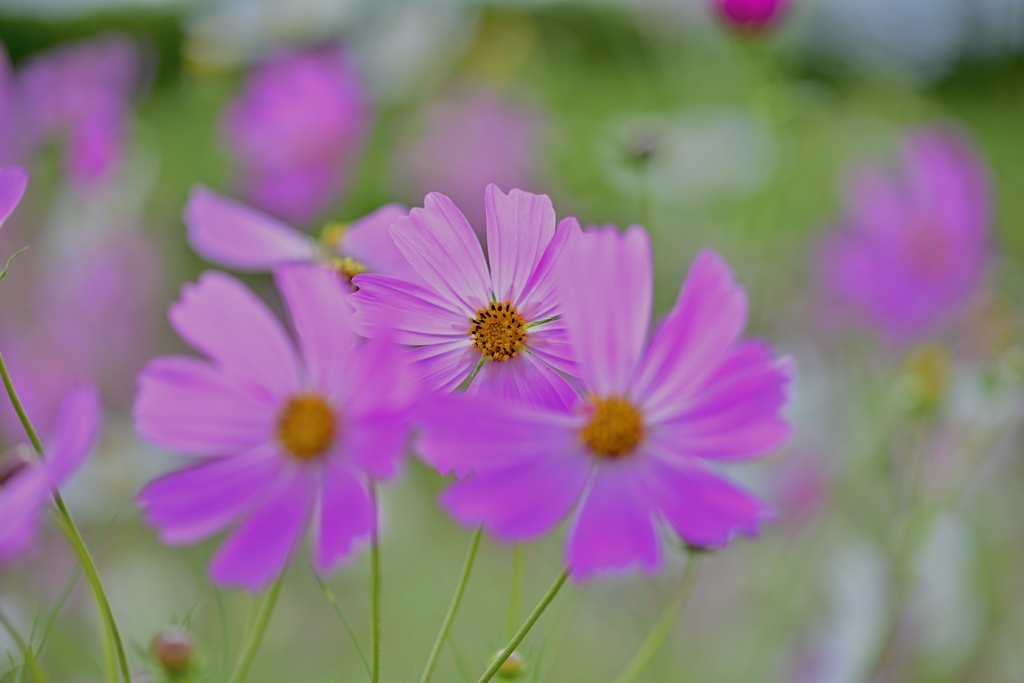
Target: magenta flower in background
(282,437)
(912,249)
(751,15)
(634,448)
(13,181)
(296,131)
(80,96)
(500,322)
(231,234)
(467,142)
(26,485)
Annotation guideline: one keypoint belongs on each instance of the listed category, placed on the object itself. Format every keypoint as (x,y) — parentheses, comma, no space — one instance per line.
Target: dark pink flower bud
(751,15)
(174,650)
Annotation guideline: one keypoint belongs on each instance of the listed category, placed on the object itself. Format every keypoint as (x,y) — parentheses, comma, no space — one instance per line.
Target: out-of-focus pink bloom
(912,250)
(633,449)
(13,181)
(296,131)
(26,488)
(231,234)
(751,15)
(501,320)
(468,142)
(281,436)
(80,95)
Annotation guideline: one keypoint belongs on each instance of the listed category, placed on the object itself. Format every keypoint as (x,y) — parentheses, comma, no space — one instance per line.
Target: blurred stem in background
(256,633)
(375,588)
(26,650)
(665,623)
(516,592)
(113,647)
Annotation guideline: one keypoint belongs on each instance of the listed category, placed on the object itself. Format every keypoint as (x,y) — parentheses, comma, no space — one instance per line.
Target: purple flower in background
(281,437)
(228,233)
(13,181)
(499,322)
(912,249)
(80,95)
(468,142)
(296,131)
(26,485)
(633,449)
(751,15)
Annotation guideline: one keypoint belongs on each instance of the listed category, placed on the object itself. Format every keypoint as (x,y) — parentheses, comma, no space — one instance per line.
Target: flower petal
(605,285)
(411,314)
(75,433)
(221,318)
(443,367)
(707,319)
(322,318)
(13,181)
(369,241)
(197,502)
(439,243)
(519,502)
(187,405)
(615,529)
(550,343)
(256,553)
(524,379)
(540,295)
(345,516)
(22,501)
(519,227)
(231,234)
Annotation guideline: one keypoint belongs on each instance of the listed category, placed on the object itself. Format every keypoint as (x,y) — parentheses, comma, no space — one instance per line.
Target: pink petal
(615,529)
(411,314)
(443,367)
(195,503)
(256,553)
(519,227)
(376,443)
(13,181)
(704,509)
(526,380)
(221,318)
(187,405)
(539,298)
(706,320)
(606,290)
(322,319)
(75,433)
(550,343)
(520,502)
(369,241)
(345,516)
(231,234)
(737,412)
(380,377)
(438,242)
(22,501)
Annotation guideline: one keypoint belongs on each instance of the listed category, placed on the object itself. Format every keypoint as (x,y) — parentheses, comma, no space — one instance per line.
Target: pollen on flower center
(306,426)
(615,427)
(348,267)
(498,331)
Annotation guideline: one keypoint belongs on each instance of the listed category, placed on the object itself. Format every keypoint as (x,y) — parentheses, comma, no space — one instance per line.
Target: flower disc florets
(615,427)
(498,331)
(306,427)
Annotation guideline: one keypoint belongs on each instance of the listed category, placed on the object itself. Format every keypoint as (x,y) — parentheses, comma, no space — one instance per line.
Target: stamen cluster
(498,331)
(615,428)
(306,427)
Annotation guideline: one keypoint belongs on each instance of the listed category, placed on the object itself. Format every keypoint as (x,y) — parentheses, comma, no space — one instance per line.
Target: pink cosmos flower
(281,436)
(26,485)
(499,322)
(13,181)
(297,129)
(912,250)
(81,95)
(231,234)
(751,15)
(633,450)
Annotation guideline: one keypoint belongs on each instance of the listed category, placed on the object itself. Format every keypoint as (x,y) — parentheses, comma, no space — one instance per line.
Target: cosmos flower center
(498,331)
(615,427)
(306,426)
(348,267)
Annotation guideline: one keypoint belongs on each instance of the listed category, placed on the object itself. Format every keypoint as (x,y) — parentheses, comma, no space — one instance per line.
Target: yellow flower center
(306,426)
(498,331)
(348,267)
(332,234)
(615,427)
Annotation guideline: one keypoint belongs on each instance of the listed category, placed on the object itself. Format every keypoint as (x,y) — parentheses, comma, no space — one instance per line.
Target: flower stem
(344,620)
(516,591)
(256,633)
(110,632)
(453,608)
(525,628)
(26,650)
(375,592)
(661,630)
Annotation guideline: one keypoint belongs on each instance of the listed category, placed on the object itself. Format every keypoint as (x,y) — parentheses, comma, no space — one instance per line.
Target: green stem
(453,608)
(665,624)
(256,633)
(516,592)
(26,650)
(113,638)
(375,593)
(525,628)
(344,620)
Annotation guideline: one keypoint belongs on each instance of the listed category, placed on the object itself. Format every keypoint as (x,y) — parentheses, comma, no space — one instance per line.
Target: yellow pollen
(348,267)
(615,427)
(498,331)
(306,426)
(332,234)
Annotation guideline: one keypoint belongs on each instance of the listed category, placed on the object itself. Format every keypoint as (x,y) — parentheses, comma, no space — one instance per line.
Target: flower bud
(511,668)
(751,16)
(174,650)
